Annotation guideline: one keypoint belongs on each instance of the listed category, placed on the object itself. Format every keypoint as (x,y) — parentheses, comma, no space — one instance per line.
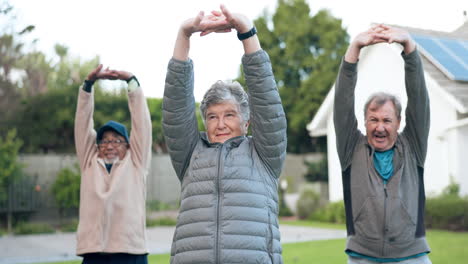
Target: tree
(45,119)
(305,53)
(11,51)
(9,165)
(10,169)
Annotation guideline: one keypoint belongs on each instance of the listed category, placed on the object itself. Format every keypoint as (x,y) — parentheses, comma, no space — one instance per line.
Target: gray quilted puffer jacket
(229,199)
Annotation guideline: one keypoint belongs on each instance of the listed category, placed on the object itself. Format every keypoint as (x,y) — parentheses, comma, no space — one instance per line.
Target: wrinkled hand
(108,74)
(224,21)
(383,33)
(205,24)
(370,37)
(397,35)
(93,75)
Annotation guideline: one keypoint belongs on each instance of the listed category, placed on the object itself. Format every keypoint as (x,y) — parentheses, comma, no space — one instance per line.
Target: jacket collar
(398,154)
(232,142)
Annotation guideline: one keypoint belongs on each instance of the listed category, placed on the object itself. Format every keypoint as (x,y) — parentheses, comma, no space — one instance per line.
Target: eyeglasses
(114,143)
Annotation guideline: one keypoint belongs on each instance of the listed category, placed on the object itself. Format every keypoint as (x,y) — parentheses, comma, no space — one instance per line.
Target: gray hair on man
(380,98)
(226,91)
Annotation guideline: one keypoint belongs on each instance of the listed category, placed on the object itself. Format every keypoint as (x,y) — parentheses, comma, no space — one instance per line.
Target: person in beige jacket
(113,176)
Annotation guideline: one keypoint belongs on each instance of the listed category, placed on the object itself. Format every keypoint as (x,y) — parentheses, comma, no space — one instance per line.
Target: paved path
(61,247)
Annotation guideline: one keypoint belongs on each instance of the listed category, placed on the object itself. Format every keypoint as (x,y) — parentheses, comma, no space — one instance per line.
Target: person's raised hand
(397,35)
(370,37)
(237,21)
(192,25)
(215,22)
(107,74)
(93,75)
(122,75)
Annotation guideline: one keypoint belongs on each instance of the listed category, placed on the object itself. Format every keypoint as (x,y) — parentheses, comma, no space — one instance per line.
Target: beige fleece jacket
(112,205)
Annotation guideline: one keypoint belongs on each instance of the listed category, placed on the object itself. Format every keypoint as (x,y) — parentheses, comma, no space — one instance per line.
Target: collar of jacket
(101,160)
(232,142)
(397,156)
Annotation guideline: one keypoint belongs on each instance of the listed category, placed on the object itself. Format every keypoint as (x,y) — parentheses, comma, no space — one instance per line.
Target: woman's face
(224,121)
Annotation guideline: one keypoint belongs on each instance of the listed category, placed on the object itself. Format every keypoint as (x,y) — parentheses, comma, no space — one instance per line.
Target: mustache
(380,134)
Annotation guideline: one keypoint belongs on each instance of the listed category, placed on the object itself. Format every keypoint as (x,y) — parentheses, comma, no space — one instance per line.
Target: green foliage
(69,226)
(12,45)
(308,202)
(446,247)
(156,205)
(447,211)
(305,53)
(453,189)
(46,117)
(332,213)
(32,228)
(155,108)
(66,189)
(317,171)
(163,221)
(10,168)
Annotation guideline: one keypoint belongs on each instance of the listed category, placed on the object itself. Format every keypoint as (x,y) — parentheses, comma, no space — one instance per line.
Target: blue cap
(114,126)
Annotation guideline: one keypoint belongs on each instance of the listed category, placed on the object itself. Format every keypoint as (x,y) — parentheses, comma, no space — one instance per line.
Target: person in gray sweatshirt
(383,171)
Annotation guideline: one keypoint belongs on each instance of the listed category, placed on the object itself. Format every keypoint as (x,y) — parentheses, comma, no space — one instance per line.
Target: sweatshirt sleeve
(85,135)
(418,107)
(141,134)
(344,118)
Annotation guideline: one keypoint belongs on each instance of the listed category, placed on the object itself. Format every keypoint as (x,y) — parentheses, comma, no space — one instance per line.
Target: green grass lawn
(447,247)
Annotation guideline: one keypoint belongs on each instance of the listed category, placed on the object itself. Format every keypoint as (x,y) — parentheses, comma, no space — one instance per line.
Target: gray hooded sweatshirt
(384,220)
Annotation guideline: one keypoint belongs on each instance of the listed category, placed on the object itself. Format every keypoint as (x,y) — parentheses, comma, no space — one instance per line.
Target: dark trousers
(114,258)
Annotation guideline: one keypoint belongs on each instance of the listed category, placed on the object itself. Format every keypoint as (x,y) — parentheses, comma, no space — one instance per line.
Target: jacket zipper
(384,220)
(220,168)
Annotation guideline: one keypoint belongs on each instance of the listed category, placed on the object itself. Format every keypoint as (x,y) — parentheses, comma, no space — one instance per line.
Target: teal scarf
(383,163)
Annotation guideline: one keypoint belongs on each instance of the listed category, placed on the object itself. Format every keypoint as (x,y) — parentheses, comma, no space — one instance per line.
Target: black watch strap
(88,85)
(248,34)
(133,78)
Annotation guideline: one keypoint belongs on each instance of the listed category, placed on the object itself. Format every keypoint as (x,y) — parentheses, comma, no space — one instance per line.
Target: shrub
(332,212)
(163,221)
(317,171)
(447,212)
(308,203)
(23,228)
(66,189)
(156,205)
(70,226)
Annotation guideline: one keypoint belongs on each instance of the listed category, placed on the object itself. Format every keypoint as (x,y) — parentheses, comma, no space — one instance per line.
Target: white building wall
(440,163)
(462,174)
(335,187)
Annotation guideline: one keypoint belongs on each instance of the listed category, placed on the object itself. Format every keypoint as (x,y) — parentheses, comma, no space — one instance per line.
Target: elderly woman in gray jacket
(229,199)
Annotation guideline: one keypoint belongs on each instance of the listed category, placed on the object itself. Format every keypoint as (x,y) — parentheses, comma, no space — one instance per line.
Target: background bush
(66,189)
(308,203)
(448,211)
(23,228)
(69,226)
(163,221)
(333,212)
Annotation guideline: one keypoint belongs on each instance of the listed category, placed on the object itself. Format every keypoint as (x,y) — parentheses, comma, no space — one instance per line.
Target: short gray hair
(223,91)
(380,98)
